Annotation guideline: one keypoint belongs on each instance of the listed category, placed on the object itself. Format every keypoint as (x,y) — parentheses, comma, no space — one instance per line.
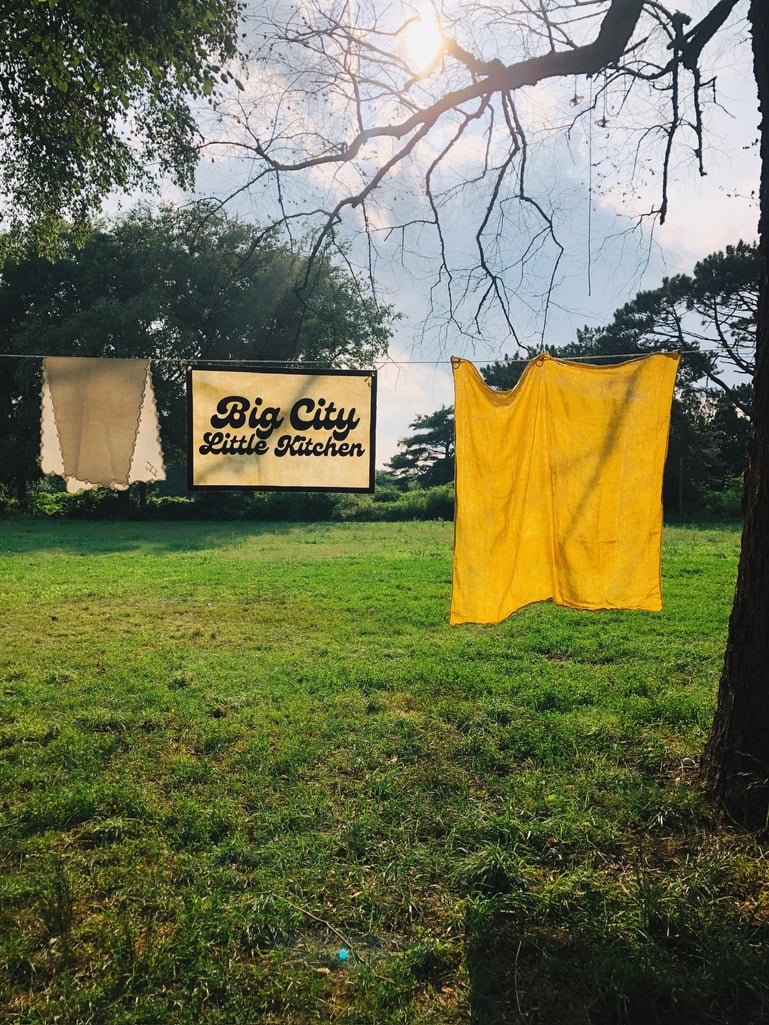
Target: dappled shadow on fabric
(558,487)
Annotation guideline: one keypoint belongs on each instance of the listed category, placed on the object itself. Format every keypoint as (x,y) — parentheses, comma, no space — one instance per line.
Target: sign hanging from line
(280,430)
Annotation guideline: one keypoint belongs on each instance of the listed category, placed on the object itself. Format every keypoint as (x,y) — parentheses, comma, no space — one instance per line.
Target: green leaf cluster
(95,95)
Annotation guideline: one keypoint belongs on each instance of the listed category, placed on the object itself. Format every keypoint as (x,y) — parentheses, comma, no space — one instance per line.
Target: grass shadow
(526,973)
(22,535)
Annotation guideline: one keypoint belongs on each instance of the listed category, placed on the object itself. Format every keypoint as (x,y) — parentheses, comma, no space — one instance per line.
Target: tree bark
(736,757)
(22,493)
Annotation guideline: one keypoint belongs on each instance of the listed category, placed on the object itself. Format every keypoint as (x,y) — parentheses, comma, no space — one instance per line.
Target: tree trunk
(22,493)
(736,757)
(124,503)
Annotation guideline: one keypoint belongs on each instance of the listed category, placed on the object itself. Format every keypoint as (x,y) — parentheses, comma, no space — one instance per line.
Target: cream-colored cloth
(559,485)
(99,424)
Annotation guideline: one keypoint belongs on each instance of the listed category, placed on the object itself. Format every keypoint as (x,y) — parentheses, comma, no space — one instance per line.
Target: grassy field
(229,752)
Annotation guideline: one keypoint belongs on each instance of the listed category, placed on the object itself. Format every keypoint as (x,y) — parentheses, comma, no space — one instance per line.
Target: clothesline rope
(182,361)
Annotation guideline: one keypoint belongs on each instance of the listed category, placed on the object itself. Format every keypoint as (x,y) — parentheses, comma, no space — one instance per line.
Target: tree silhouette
(427,456)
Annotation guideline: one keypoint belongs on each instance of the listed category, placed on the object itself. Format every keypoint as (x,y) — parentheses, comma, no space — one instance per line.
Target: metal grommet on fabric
(540,361)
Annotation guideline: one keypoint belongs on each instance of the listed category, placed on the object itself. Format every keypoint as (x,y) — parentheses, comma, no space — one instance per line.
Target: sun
(424,41)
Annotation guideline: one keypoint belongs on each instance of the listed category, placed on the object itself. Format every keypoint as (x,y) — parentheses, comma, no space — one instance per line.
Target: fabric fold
(559,486)
(99,425)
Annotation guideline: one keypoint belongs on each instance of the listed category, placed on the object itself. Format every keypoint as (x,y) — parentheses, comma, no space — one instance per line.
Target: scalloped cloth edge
(99,424)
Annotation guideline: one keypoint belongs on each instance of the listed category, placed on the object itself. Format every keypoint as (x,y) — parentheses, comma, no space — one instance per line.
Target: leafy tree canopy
(95,95)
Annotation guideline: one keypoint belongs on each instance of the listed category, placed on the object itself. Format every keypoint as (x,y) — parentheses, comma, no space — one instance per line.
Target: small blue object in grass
(343,954)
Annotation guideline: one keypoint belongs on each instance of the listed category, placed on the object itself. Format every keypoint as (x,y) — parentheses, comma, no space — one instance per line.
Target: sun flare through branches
(386,126)
(423,42)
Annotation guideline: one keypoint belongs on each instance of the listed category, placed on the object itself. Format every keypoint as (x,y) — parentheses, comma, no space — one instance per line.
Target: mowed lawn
(249,774)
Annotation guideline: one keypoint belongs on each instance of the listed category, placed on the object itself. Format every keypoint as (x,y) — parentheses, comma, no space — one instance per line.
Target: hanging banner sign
(280,429)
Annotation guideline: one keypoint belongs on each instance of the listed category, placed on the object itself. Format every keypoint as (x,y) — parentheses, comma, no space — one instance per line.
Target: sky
(584,179)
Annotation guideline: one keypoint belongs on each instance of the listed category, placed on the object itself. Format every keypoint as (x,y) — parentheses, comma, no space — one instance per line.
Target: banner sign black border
(306,371)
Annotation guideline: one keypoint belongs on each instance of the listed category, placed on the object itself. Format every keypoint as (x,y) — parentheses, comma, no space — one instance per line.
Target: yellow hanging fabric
(558,487)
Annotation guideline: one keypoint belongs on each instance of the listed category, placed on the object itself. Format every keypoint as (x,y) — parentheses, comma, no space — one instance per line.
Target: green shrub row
(387,504)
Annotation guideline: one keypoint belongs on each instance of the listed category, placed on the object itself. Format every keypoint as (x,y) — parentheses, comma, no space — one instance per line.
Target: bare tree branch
(348,114)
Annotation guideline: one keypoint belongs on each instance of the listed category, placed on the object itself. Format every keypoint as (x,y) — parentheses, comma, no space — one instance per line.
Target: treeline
(390,502)
(173,285)
(180,285)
